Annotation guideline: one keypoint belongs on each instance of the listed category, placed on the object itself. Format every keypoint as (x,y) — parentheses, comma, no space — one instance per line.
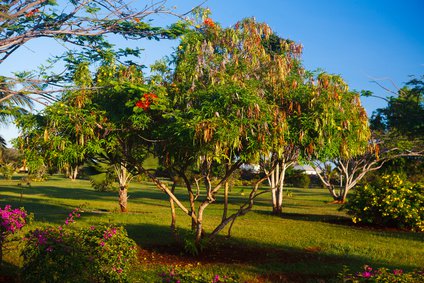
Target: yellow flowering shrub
(389,201)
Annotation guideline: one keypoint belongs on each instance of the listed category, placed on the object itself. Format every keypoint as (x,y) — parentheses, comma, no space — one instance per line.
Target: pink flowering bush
(11,220)
(92,254)
(368,274)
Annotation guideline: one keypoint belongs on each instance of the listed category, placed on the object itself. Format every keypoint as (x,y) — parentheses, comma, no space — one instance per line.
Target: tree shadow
(347,222)
(273,262)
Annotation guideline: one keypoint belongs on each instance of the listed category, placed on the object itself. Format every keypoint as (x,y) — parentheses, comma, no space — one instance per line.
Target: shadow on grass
(276,263)
(346,221)
(42,211)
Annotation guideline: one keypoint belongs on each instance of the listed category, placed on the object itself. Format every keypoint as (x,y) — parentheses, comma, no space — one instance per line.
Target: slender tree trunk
(199,224)
(123,177)
(282,175)
(333,193)
(191,199)
(225,212)
(75,173)
(274,191)
(278,194)
(72,172)
(123,198)
(173,213)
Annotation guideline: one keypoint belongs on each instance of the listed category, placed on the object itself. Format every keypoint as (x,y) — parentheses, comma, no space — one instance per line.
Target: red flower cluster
(209,22)
(31,13)
(146,100)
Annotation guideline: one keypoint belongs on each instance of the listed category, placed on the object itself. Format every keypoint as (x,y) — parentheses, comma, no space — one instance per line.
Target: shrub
(297,178)
(381,275)
(103,182)
(61,254)
(389,201)
(7,169)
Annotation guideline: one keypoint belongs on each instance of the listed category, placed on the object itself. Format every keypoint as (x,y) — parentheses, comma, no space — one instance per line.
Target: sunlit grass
(311,238)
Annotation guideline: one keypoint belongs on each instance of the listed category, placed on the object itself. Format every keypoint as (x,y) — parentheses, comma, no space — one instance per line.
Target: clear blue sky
(360,40)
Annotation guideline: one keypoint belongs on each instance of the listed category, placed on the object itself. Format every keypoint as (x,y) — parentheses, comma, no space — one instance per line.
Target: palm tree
(11,106)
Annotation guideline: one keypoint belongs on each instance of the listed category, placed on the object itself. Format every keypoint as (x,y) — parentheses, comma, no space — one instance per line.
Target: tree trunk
(277,185)
(274,191)
(225,212)
(123,198)
(280,186)
(333,192)
(73,173)
(173,213)
(199,225)
(191,198)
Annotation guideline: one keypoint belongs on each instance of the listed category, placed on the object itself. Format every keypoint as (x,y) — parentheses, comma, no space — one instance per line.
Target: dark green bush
(297,178)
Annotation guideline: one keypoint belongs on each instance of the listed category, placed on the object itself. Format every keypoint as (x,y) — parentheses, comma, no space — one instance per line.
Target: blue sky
(361,40)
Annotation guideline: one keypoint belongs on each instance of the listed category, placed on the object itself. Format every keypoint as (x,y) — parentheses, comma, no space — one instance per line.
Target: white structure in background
(306,169)
(254,168)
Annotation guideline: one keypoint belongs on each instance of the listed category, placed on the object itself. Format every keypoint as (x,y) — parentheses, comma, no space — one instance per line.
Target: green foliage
(381,275)
(405,113)
(298,179)
(389,201)
(339,124)
(103,182)
(91,254)
(7,169)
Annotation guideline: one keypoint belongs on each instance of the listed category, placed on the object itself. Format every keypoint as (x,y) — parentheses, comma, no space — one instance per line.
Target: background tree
(339,132)
(10,161)
(399,130)
(394,137)
(63,135)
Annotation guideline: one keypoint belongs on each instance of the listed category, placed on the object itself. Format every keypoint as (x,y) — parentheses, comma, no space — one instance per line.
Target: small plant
(103,182)
(368,274)
(93,254)
(389,201)
(188,274)
(7,169)
(11,220)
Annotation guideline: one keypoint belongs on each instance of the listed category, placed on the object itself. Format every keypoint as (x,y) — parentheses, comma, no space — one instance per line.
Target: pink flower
(398,272)
(366,274)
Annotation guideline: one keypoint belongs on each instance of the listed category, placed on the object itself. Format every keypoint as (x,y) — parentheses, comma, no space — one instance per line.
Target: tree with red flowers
(218,115)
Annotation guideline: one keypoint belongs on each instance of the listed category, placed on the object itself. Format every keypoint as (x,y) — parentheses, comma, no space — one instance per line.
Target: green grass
(312,239)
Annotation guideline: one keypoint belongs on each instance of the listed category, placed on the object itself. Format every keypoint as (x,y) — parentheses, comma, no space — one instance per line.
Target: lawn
(311,242)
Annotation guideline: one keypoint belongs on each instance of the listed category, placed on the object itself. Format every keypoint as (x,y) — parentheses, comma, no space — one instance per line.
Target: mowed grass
(311,240)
